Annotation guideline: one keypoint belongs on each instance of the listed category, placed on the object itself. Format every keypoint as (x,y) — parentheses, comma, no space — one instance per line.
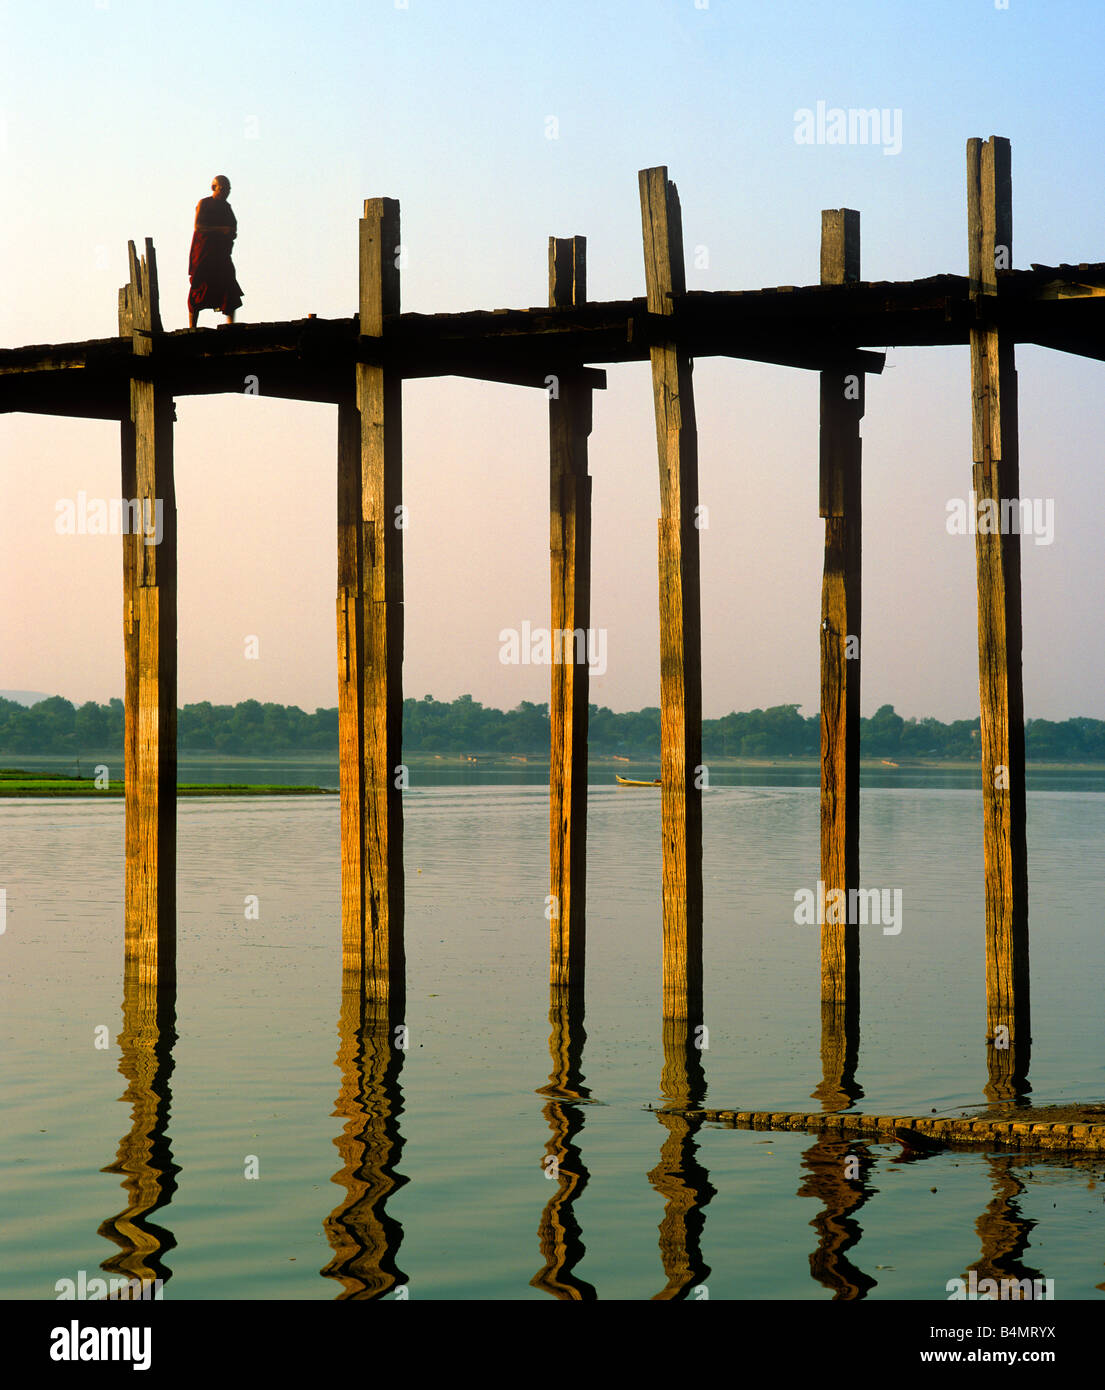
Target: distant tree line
(465,726)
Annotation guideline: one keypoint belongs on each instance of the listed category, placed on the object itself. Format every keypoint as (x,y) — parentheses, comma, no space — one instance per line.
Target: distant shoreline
(16,783)
(534,761)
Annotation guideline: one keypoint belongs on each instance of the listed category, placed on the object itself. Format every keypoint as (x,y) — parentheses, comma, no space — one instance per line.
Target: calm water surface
(430,1173)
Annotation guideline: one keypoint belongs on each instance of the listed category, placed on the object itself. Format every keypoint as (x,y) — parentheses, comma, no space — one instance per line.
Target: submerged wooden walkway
(359,364)
(1087,1137)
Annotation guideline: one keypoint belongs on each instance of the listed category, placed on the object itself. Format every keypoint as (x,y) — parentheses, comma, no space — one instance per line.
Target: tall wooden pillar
(680,617)
(370,631)
(842,403)
(995,478)
(570,413)
(149,640)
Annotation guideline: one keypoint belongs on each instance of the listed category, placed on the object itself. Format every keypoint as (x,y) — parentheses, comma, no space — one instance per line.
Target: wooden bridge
(359,364)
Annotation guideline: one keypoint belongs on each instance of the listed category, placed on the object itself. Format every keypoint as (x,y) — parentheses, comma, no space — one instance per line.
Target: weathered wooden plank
(680,617)
(839,246)
(370,631)
(995,476)
(842,402)
(570,402)
(150,648)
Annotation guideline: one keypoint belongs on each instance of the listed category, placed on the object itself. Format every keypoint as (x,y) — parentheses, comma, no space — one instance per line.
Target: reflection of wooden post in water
(680,616)
(839,1088)
(995,479)
(570,551)
(1002,1230)
(364,1238)
(144,1156)
(837,1230)
(842,391)
(679,1177)
(149,639)
(559,1234)
(370,627)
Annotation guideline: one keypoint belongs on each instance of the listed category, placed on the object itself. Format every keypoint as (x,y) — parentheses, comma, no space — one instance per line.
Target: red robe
(210,268)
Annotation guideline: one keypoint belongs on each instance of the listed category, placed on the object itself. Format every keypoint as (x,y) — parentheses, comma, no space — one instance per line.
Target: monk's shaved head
(221,178)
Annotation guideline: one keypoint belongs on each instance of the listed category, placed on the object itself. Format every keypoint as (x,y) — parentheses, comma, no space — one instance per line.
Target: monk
(210,268)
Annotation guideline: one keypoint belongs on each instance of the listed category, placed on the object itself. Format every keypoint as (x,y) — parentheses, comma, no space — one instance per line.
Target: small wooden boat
(630,782)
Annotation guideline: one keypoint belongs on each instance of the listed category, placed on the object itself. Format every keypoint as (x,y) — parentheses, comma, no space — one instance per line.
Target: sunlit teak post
(570,414)
(995,481)
(680,618)
(370,625)
(842,404)
(149,638)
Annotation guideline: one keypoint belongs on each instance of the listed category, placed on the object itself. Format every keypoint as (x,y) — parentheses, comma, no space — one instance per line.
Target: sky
(498,123)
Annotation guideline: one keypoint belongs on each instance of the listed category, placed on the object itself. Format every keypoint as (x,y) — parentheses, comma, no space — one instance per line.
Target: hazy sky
(115,115)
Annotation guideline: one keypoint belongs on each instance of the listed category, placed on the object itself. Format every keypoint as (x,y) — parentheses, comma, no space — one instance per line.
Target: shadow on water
(1003,1230)
(836,1170)
(1007,1071)
(836,1174)
(558,1232)
(144,1157)
(679,1177)
(364,1238)
(839,1089)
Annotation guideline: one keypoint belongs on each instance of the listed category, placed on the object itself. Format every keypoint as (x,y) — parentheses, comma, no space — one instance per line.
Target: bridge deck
(810,326)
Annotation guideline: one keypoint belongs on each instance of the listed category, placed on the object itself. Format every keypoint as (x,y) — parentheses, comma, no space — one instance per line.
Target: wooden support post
(842,403)
(680,617)
(996,486)
(150,644)
(370,632)
(570,413)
